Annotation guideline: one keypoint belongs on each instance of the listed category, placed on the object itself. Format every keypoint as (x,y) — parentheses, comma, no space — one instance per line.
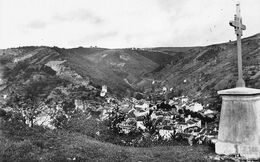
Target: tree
(29,100)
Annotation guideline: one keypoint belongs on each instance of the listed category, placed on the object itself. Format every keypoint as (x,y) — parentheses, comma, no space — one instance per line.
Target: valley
(51,102)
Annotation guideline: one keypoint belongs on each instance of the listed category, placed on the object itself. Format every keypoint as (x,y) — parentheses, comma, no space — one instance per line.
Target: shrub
(85,126)
(18,151)
(210,54)
(2,113)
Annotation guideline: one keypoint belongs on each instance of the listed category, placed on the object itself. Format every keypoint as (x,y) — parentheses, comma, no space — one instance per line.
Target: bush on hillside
(81,124)
(210,54)
(18,151)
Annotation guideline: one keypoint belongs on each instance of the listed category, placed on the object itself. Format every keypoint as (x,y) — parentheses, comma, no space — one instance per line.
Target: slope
(201,71)
(59,145)
(195,71)
(120,69)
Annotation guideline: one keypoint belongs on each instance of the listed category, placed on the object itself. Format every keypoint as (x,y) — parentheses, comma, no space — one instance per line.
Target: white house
(79,104)
(140,125)
(141,113)
(195,107)
(208,112)
(184,99)
(166,134)
(103,91)
(164,89)
(143,106)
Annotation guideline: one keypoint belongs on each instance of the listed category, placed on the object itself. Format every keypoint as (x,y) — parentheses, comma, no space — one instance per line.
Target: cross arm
(235,24)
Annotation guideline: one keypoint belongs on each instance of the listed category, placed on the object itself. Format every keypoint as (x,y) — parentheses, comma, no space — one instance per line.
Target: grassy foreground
(36,144)
(81,148)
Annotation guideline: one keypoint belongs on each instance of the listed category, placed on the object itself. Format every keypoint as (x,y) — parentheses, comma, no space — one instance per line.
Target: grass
(37,144)
(68,146)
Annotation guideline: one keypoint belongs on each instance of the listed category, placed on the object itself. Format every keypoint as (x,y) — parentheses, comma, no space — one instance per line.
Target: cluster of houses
(168,119)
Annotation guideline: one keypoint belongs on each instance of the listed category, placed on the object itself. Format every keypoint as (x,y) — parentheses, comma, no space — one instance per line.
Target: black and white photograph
(129,80)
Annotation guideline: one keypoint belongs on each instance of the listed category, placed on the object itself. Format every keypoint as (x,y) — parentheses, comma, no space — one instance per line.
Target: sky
(123,23)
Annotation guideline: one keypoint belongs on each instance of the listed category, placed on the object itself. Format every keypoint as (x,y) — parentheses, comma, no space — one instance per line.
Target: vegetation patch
(210,54)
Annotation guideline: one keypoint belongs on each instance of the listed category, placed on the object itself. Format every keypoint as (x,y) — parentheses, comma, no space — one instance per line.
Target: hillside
(120,69)
(193,71)
(62,146)
(51,108)
(201,71)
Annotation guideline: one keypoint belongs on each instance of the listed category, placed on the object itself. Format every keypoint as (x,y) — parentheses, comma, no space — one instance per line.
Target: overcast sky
(122,23)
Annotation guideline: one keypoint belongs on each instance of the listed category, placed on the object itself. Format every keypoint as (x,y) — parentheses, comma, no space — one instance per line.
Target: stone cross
(237,24)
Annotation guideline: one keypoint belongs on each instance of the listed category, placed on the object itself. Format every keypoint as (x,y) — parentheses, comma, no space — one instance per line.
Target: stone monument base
(248,151)
(239,127)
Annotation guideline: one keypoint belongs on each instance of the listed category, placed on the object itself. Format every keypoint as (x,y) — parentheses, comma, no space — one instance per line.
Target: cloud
(106,35)
(99,36)
(171,5)
(37,24)
(91,39)
(122,23)
(79,15)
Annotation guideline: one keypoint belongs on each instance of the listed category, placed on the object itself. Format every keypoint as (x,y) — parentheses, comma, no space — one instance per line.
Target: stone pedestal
(239,127)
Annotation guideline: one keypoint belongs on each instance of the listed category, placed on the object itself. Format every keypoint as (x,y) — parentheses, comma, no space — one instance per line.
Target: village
(175,118)
(150,80)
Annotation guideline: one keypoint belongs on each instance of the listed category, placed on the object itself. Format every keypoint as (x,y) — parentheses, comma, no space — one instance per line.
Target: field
(36,144)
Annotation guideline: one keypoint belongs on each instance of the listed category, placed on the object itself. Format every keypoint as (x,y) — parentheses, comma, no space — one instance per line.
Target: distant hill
(201,71)
(196,71)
